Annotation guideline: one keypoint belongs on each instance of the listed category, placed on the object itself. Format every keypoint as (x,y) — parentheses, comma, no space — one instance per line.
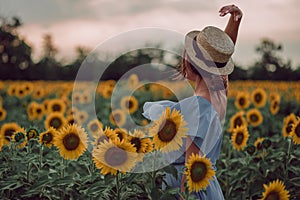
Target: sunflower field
(61,143)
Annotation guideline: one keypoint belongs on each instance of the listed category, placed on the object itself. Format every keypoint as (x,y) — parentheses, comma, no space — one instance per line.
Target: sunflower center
(242,101)
(101,139)
(1,113)
(239,138)
(8,133)
(275,105)
(19,136)
(289,127)
(167,131)
(253,118)
(136,143)
(71,141)
(257,98)
(115,156)
(47,138)
(94,127)
(38,111)
(129,104)
(55,122)
(238,122)
(56,107)
(198,171)
(297,130)
(273,196)
(120,135)
(117,117)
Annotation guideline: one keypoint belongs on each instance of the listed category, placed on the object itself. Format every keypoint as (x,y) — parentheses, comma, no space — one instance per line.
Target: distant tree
(48,67)
(271,66)
(15,53)
(239,74)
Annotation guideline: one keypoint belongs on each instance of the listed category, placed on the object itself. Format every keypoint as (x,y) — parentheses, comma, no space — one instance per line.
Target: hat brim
(227,69)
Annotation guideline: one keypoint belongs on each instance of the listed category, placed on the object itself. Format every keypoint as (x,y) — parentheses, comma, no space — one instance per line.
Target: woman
(206,61)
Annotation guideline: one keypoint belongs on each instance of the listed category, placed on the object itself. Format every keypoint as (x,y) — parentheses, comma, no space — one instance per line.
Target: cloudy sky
(91,22)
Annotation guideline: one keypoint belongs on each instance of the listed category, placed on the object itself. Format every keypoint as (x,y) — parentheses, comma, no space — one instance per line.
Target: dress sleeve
(153,110)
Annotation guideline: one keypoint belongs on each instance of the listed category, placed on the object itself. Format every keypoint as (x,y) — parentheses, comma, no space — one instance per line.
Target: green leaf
(170,169)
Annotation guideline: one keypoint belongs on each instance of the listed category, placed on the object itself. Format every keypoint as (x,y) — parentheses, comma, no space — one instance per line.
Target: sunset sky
(91,22)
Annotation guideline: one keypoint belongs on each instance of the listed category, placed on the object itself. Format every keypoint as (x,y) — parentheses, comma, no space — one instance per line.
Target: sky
(89,23)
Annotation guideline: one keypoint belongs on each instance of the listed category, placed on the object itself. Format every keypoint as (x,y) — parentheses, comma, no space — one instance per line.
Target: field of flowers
(53,146)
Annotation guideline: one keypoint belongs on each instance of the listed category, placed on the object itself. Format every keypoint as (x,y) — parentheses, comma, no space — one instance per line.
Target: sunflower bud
(266,143)
(251,149)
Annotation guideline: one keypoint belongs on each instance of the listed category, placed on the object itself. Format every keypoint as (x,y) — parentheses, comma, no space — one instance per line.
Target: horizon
(90,23)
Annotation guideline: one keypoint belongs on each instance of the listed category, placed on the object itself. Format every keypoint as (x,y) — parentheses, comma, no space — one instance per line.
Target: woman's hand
(233,10)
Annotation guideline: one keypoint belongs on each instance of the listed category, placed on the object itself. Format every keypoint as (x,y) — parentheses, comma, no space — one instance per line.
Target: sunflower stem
(153,171)
(41,156)
(288,159)
(117,185)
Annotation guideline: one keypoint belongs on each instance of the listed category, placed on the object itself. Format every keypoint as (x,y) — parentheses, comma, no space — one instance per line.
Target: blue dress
(204,128)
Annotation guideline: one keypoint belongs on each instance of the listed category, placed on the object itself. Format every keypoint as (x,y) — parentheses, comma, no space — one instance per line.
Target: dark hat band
(200,56)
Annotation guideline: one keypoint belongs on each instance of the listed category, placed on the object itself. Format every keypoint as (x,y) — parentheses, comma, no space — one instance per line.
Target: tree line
(16,61)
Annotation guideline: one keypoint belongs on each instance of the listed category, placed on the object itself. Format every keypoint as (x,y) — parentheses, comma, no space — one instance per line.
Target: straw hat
(210,50)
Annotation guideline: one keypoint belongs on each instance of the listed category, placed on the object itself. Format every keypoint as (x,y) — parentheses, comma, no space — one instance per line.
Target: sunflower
(254,117)
(168,131)
(121,133)
(28,87)
(55,120)
(259,97)
(274,96)
(117,117)
(111,157)
(71,141)
(71,120)
(133,81)
(129,103)
(72,111)
(199,172)
(275,190)
(110,83)
(38,111)
(258,143)
(86,98)
(76,98)
(237,119)
(11,91)
(274,107)
(38,93)
(94,126)
(32,133)
(100,136)
(242,101)
(47,137)
(288,124)
(239,137)
(19,136)
(107,92)
(296,132)
(56,105)
(7,131)
(2,114)
(81,117)
(20,92)
(135,138)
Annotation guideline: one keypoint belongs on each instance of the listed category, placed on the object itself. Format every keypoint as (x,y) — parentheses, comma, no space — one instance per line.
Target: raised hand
(233,10)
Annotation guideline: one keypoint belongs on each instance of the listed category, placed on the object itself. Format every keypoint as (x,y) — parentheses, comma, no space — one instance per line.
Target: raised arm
(233,24)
